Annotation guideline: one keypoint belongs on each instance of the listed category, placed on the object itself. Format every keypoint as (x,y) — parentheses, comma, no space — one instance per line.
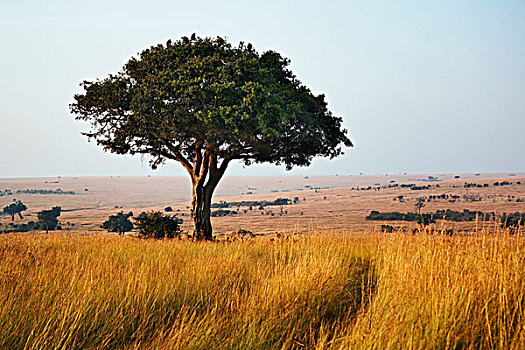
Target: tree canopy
(15,208)
(118,223)
(204,102)
(48,219)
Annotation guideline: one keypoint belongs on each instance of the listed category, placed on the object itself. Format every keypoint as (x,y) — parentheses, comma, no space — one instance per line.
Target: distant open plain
(324,202)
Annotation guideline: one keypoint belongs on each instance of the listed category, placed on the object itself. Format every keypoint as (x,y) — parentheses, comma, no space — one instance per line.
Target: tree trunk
(201,212)
(12,217)
(205,175)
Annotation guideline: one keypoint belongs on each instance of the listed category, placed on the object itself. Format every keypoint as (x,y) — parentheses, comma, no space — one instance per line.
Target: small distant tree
(425,219)
(15,208)
(419,204)
(118,223)
(48,219)
(159,226)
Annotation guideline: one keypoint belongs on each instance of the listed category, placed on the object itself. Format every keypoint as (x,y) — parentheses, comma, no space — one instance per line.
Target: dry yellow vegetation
(321,290)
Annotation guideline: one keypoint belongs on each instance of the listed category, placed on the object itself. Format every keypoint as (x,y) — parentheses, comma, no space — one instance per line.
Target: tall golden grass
(338,290)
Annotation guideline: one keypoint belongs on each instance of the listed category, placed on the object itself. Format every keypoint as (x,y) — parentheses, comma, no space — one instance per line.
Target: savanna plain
(314,274)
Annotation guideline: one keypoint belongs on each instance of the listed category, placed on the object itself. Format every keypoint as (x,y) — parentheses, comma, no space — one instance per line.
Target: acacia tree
(205,103)
(15,208)
(49,218)
(118,223)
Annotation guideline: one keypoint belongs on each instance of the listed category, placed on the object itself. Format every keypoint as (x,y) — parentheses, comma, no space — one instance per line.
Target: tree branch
(201,177)
(236,153)
(198,157)
(176,153)
(224,165)
(179,157)
(216,172)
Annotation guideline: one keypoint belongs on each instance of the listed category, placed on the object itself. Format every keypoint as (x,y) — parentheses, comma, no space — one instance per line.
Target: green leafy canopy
(177,100)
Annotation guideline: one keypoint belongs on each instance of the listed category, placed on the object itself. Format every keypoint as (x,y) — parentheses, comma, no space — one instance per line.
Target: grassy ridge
(339,290)
(446,293)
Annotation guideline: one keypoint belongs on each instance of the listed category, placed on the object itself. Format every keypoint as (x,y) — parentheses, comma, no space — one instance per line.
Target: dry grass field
(331,280)
(339,290)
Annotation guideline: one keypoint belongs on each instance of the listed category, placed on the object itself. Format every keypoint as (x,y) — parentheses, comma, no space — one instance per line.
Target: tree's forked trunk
(203,188)
(205,174)
(201,213)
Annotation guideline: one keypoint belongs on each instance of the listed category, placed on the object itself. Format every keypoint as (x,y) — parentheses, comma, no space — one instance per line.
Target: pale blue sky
(423,86)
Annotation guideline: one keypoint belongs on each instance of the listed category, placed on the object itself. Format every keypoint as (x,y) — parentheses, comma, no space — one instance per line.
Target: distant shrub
(512,220)
(223,212)
(168,209)
(33,225)
(450,215)
(425,219)
(387,228)
(261,204)
(48,219)
(6,193)
(31,191)
(118,223)
(20,227)
(419,188)
(157,225)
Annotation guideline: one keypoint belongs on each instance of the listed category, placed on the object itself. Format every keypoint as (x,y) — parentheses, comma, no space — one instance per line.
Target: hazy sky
(422,86)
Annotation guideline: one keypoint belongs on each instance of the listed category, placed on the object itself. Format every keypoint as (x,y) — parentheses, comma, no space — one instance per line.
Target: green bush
(450,215)
(387,228)
(512,220)
(157,225)
(223,212)
(118,223)
(48,219)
